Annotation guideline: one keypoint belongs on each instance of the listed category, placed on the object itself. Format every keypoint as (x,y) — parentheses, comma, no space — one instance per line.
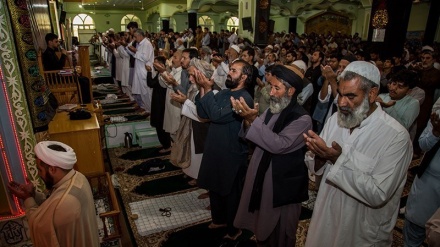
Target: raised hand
(22,191)
(178,97)
(240,107)
(318,146)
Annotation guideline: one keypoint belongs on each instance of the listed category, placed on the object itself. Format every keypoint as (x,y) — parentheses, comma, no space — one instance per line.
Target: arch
(129,18)
(232,22)
(328,21)
(82,21)
(206,21)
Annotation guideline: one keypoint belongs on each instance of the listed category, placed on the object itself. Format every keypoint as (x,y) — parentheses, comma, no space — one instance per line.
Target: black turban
(286,74)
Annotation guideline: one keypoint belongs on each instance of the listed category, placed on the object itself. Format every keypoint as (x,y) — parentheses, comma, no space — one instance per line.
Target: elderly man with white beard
(276,180)
(364,154)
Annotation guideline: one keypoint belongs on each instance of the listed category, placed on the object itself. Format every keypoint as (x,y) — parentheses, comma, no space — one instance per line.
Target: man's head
(388,63)
(176,59)
(401,83)
(248,54)
(333,61)
(160,59)
(199,65)
(290,56)
(205,30)
(52,40)
(344,62)
(139,35)
(132,27)
(54,160)
(317,58)
(285,84)
(239,75)
(427,59)
(272,57)
(187,55)
(357,91)
(233,52)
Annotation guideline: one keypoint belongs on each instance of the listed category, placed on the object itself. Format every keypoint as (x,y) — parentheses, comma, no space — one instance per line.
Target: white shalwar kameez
(358,199)
(140,90)
(171,120)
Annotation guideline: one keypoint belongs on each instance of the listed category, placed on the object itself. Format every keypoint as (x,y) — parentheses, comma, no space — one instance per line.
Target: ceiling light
(80,6)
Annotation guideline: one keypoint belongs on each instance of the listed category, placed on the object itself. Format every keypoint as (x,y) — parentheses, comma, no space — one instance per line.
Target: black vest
(289,171)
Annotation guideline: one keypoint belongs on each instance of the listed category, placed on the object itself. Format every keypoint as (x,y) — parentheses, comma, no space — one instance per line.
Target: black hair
(57,147)
(250,51)
(193,53)
(50,37)
(161,59)
(246,70)
(132,24)
(406,77)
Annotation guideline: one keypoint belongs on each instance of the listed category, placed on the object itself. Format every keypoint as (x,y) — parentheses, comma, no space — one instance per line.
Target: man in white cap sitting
(67,216)
(364,155)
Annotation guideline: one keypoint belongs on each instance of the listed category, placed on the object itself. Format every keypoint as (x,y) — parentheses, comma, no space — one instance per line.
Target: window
(206,21)
(82,21)
(129,18)
(232,22)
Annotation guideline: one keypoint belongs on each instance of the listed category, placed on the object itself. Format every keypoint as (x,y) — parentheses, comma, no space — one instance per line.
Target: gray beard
(355,117)
(278,104)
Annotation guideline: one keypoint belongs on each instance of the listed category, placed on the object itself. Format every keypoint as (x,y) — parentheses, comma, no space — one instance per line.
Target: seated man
(398,103)
(50,58)
(67,217)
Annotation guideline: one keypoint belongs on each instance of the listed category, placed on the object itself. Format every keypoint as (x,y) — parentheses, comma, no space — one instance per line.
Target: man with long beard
(364,154)
(276,181)
(67,216)
(225,154)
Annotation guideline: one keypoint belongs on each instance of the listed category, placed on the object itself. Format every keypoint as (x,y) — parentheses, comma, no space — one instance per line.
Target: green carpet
(163,186)
(142,154)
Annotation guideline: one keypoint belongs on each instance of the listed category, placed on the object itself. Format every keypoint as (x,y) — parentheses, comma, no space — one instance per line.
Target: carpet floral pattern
(128,184)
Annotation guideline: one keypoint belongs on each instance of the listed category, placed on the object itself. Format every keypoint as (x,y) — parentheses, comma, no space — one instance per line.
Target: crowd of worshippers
(327,105)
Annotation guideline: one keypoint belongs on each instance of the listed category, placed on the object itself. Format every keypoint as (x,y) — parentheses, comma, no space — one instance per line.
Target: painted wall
(281,23)
(104,19)
(418,17)
(112,19)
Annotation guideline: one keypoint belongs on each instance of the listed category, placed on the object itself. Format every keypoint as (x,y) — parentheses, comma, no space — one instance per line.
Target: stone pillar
(431,24)
(165,23)
(262,21)
(396,28)
(192,19)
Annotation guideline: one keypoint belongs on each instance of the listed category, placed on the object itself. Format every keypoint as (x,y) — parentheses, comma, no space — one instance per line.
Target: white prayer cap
(365,69)
(111,30)
(427,48)
(269,47)
(61,159)
(300,64)
(236,48)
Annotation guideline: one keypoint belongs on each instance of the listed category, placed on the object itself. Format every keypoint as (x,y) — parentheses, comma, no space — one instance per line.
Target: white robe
(125,75)
(67,217)
(171,118)
(359,195)
(189,109)
(118,57)
(144,56)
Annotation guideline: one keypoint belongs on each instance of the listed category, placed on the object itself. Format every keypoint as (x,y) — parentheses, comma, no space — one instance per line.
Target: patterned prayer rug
(125,163)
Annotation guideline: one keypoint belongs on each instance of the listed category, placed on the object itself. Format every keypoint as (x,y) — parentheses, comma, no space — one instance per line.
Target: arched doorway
(328,22)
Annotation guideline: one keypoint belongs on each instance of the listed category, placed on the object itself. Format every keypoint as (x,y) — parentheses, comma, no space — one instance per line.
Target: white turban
(61,159)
